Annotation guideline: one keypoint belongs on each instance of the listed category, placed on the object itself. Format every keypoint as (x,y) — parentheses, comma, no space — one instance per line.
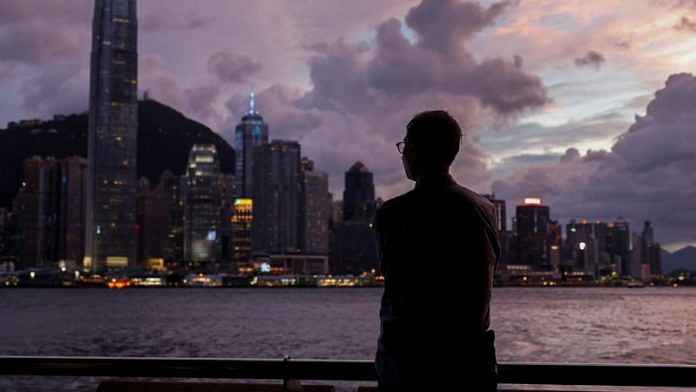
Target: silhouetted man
(438,249)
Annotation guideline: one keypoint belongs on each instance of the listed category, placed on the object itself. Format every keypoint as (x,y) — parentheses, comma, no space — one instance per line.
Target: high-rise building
(71,230)
(651,250)
(152,222)
(110,230)
(203,205)
(353,244)
(242,217)
(316,206)
(619,247)
(531,228)
(171,186)
(276,217)
(250,133)
(50,211)
(359,194)
(500,215)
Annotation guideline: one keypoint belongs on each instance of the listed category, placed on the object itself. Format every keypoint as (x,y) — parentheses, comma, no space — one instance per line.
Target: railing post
(289,385)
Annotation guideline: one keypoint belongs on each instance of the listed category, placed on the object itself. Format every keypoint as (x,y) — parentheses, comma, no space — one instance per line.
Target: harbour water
(602,325)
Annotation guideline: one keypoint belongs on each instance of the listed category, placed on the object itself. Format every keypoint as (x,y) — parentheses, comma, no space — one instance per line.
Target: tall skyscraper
(276,198)
(203,205)
(315,209)
(359,194)
(110,232)
(250,133)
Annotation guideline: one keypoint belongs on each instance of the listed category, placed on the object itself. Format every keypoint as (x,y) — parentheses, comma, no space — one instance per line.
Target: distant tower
(315,209)
(500,217)
(619,246)
(110,232)
(532,222)
(359,194)
(203,205)
(250,133)
(276,213)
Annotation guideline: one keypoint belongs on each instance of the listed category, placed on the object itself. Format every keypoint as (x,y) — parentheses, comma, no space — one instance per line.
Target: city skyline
(576,94)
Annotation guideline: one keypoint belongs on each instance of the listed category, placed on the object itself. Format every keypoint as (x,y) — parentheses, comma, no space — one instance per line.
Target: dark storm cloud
(442,25)
(232,68)
(591,58)
(648,174)
(685,23)
(363,95)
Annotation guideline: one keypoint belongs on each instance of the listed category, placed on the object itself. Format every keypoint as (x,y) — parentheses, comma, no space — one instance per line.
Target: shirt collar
(435,181)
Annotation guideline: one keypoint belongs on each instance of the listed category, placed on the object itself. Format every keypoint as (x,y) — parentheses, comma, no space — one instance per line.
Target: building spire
(252,104)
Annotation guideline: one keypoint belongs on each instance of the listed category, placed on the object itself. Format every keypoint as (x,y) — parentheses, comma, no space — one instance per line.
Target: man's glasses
(400,146)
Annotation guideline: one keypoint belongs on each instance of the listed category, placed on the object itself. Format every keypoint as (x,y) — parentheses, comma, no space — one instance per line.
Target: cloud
(591,58)
(362,95)
(646,175)
(161,18)
(232,68)
(685,23)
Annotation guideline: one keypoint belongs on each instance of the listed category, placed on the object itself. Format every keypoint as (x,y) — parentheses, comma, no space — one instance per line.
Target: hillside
(165,137)
(684,258)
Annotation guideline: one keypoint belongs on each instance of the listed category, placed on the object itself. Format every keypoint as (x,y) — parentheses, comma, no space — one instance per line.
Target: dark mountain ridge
(682,259)
(165,137)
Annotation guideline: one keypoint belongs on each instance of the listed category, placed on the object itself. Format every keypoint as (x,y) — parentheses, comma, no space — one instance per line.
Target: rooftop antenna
(252,104)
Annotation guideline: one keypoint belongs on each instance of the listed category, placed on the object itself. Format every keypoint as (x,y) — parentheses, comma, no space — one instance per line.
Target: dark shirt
(438,249)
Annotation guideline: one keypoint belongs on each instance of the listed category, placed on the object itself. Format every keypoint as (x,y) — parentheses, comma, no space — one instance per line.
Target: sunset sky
(537,84)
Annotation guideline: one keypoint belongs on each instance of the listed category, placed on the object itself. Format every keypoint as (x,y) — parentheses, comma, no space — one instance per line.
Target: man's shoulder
(468,196)
(397,203)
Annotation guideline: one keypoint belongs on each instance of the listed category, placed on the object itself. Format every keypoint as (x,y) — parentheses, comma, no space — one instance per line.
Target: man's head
(432,142)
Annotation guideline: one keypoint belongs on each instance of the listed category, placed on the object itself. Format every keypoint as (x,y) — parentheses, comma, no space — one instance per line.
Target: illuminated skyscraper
(250,133)
(203,205)
(110,232)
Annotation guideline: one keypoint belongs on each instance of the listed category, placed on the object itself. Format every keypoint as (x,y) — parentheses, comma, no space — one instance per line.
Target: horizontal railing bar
(345,370)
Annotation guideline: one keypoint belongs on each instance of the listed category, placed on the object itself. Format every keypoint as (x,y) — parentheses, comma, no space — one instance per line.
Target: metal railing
(344,370)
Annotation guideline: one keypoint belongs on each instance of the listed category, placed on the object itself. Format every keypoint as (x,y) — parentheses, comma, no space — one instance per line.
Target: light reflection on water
(612,325)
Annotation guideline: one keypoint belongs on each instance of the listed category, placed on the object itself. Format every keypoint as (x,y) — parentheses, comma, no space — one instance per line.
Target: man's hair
(436,136)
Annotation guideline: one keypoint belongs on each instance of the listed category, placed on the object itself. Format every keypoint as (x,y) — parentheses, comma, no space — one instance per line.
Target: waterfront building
(50,212)
(171,186)
(637,255)
(315,209)
(276,217)
(71,217)
(531,230)
(619,247)
(359,194)
(242,218)
(500,215)
(203,203)
(651,251)
(110,232)
(250,133)
(152,217)
(353,249)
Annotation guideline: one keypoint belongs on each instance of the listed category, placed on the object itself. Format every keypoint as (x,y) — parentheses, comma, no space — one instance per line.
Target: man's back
(438,249)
